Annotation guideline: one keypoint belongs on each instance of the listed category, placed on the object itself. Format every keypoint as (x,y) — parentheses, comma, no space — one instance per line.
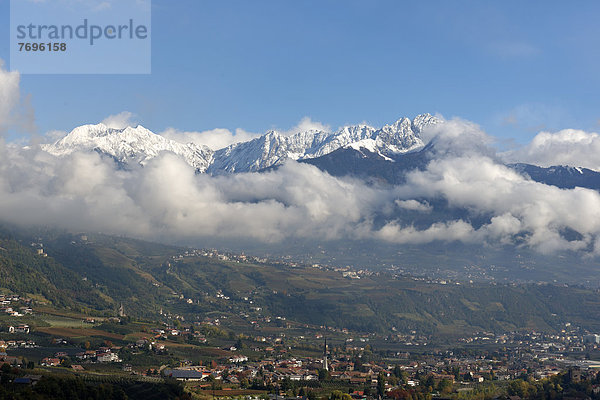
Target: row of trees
(55,387)
(555,387)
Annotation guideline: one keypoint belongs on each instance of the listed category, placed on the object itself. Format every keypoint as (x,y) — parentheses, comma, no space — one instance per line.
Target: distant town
(265,365)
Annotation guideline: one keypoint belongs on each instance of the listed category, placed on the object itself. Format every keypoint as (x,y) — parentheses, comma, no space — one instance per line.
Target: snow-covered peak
(272,134)
(423,120)
(128,145)
(82,136)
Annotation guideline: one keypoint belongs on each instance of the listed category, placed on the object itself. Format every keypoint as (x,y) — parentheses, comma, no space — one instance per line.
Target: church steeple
(325,364)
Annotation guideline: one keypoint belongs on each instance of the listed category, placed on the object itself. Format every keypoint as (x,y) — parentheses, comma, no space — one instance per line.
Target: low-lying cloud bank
(572,147)
(166,200)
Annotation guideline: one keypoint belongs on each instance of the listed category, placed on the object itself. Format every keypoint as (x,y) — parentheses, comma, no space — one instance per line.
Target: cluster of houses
(111,354)
(39,249)
(166,333)
(8,298)
(212,253)
(101,355)
(20,328)
(558,345)
(14,344)
(8,307)
(150,344)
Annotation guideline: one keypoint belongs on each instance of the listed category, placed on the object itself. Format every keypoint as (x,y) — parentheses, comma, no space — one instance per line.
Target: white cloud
(537,211)
(215,139)
(166,199)
(15,112)
(120,120)
(458,137)
(439,231)
(567,147)
(414,205)
(306,124)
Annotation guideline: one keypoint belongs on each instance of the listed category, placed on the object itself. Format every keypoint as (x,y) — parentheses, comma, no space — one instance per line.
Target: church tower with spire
(325,364)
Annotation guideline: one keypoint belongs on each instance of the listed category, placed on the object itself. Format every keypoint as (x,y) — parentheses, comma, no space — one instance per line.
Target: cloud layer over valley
(167,200)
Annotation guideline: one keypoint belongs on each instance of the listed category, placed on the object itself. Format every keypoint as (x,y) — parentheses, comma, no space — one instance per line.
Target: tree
(428,381)
(323,374)
(338,395)
(518,388)
(445,386)
(381,384)
(357,363)
(286,384)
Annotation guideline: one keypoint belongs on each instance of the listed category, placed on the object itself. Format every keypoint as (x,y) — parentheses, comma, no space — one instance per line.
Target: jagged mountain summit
(138,145)
(274,148)
(128,146)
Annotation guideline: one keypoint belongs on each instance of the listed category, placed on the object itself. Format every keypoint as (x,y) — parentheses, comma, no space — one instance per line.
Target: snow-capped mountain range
(139,145)
(128,146)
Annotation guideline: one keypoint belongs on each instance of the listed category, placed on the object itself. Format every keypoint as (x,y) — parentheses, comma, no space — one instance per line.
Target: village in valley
(283,359)
(208,323)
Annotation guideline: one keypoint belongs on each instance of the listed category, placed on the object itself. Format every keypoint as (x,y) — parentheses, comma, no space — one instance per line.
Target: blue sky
(513,67)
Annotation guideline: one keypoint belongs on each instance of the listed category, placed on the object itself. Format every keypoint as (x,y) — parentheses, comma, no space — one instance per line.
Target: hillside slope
(147,278)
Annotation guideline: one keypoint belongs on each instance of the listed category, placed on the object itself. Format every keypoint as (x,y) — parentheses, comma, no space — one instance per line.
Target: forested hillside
(98,273)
